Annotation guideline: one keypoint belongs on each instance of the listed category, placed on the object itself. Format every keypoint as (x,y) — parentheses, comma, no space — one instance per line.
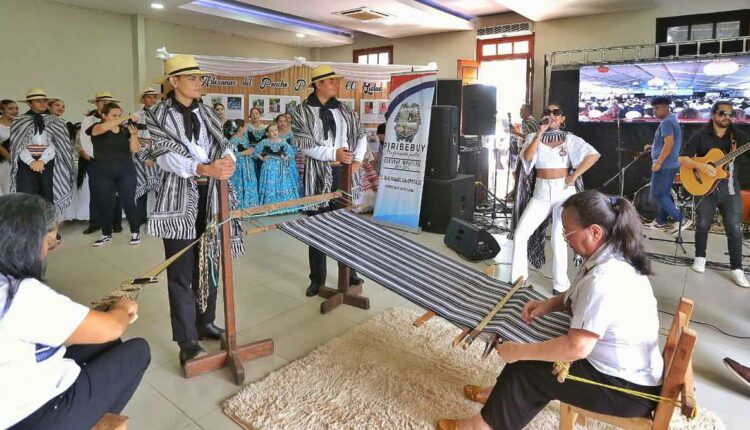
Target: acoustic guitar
(698,183)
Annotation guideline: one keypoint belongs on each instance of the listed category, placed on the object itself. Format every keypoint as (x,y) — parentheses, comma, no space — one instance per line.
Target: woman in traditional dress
(243,179)
(8,110)
(285,132)
(279,181)
(256,131)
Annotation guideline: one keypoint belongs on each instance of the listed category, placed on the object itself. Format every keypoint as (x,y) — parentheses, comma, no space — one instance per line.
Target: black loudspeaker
(480,107)
(470,241)
(446,199)
(448,93)
(442,150)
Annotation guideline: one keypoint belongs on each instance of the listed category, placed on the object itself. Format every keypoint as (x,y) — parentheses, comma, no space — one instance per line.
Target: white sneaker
(686,223)
(135,238)
(653,225)
(699,264)
(738,275)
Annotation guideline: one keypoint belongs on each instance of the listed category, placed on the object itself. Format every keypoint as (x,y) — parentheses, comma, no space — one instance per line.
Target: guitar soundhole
(697,176)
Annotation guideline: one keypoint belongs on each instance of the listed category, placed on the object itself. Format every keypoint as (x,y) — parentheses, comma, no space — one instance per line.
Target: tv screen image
(625,91)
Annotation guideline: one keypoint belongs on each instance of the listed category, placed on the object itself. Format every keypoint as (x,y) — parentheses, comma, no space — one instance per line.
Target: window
(381,55)
(504,48)
(720,25)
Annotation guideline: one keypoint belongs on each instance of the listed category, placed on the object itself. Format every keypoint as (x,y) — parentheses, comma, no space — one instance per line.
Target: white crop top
(568,154)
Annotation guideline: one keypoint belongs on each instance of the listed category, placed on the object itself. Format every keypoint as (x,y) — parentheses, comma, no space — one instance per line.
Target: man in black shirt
(720,134)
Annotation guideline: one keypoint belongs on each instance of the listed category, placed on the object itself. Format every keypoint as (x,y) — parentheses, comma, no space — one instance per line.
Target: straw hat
(35,94)
(324,71)
(103,95)
(180,65)
(148,91)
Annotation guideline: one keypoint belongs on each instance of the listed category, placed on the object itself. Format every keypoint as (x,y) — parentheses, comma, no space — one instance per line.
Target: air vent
(363,14)
(504,30)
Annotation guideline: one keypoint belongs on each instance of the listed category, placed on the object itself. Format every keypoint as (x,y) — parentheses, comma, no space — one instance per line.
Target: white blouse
(568,154)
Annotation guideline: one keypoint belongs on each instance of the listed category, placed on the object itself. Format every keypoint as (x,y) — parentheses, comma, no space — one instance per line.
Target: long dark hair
(25,219)
(619,220)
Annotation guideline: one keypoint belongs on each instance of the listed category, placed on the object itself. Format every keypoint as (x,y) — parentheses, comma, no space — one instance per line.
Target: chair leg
(568,418)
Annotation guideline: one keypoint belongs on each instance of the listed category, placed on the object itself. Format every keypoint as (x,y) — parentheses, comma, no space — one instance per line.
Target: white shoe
(686,223)
(135,238)
(653,225)
(103,240)
(738,275)
(699,264)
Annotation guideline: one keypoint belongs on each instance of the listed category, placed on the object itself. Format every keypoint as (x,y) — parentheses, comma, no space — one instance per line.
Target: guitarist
(718,133)
(664,167)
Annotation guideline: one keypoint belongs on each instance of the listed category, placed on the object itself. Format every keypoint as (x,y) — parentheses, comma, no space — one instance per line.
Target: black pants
(524,388)
(141,207)
(110,373)
(730,207)
(94,211)
(108,179)
(316,258)
(182,282)
(31,182)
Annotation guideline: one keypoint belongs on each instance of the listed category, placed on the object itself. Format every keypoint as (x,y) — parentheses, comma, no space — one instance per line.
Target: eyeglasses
(555,112)
(724,113)
(567,235)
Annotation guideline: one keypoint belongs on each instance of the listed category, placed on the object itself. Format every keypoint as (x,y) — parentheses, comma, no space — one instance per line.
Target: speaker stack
(470,241)
(446,194)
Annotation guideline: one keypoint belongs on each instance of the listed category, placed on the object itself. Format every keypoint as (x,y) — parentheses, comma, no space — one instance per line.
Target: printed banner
(405,150)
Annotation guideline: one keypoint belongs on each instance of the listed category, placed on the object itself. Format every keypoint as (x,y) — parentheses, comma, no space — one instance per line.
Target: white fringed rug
(385,374)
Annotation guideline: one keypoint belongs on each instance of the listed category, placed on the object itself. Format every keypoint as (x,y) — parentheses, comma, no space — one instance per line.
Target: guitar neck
(732,155)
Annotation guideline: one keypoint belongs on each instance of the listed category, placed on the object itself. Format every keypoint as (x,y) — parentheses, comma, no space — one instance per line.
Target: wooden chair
(677,381)
(111,422)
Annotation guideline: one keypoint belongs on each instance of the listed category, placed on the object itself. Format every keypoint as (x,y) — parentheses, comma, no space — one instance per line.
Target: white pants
(549,195)
(5,178)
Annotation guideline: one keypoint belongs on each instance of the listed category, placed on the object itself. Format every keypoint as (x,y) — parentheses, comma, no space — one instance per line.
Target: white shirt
(610,299)
(186,167)
(40,139)
(86,144)
(4,133)
(574,148)
(327,151)
(33,331)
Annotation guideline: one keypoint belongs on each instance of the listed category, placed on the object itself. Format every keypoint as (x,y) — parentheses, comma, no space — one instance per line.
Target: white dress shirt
(327,151)
(86,144)
(186,167)
(39,139)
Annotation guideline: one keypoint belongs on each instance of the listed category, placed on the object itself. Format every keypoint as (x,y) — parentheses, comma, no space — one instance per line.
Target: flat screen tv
(624,91)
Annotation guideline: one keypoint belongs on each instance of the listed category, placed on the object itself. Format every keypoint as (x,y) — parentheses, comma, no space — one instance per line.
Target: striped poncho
(21,131)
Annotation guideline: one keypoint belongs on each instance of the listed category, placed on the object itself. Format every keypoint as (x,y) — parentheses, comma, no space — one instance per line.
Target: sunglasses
(724,113)
(555,112)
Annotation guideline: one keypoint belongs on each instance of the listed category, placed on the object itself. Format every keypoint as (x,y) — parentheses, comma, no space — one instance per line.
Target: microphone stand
(621,173)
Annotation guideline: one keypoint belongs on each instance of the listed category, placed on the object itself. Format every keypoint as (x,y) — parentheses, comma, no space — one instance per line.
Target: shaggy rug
(385,374)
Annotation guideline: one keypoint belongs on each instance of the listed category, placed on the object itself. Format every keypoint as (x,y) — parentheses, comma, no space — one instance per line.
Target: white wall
(73,52)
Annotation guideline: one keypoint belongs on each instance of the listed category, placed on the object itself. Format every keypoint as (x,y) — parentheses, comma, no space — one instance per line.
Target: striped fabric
(426,278)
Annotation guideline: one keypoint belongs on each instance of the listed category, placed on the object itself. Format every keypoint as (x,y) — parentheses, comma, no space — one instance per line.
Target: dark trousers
(110,374)
(108,179)
(31,182)
(661,187)
(141,208)
(94,211)
(730,207)
(316,258)
(524,388)
(182,282)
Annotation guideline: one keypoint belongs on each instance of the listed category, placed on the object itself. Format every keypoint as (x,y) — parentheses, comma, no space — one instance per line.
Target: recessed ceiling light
(301,35)
(158,6)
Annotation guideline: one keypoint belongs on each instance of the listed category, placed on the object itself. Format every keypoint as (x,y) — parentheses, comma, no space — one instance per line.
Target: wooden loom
(231,355)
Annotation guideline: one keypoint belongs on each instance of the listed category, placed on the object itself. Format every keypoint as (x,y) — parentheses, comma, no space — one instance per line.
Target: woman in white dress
(8,110)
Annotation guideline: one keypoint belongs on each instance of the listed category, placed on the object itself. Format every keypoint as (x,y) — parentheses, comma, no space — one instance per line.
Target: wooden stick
(423,319)
(457,341)
(239,213)
(482,324)
(491,342)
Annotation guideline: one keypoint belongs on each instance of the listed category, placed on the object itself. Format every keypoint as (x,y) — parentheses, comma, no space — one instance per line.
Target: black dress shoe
(117,229)
(312,290)
(209,331)
(91,229)
(190,350)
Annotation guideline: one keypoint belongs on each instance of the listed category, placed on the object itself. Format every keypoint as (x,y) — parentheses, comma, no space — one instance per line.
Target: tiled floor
(270,281)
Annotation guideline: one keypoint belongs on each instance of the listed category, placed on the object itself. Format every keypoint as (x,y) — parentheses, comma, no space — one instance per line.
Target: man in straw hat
(189,146)
(42,153)
(86,158)
(329,136)
(145,166)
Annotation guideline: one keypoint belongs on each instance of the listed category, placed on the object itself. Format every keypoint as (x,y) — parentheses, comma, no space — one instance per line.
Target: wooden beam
(255,210)
(486,320)
(423,319)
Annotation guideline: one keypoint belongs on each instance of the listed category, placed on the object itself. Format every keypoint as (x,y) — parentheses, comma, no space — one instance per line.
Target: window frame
(663,24)
(376,50)
(509,39)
